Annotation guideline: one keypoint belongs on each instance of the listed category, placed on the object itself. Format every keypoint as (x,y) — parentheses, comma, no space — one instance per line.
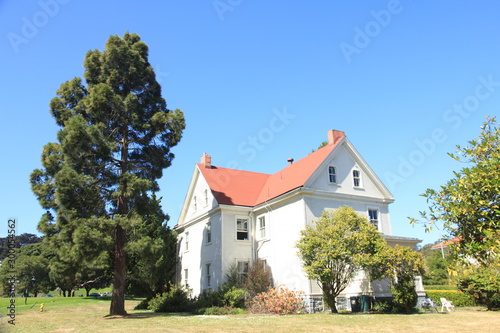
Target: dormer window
(332,175)
(356,178)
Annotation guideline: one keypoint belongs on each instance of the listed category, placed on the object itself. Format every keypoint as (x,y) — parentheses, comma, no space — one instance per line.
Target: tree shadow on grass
(148,314)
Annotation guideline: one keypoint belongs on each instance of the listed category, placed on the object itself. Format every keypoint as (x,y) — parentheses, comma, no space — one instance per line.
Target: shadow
(149,314)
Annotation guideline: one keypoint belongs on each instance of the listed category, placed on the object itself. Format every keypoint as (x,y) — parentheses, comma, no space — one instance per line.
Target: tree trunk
(118,298)
(329,297)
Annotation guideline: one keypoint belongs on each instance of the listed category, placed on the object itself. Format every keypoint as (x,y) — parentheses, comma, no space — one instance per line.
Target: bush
(387,307)
(457,298)
(235,297)
(142,306)
(280,301)
(176,300)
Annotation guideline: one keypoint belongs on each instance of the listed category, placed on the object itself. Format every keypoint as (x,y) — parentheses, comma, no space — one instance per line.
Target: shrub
(142,306)
(235,297)
(258,278)
(280,301)
(386,307)
(457,298)
(176,300)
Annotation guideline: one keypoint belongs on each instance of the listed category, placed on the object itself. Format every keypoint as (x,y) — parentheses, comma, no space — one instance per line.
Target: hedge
(457,298)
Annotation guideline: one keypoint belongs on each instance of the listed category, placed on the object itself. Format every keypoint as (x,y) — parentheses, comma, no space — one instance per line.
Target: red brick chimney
(206,160)
(334,136)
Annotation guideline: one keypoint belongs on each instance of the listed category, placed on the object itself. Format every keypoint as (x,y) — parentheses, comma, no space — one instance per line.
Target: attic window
(356,177)
(332,175)
(242,229)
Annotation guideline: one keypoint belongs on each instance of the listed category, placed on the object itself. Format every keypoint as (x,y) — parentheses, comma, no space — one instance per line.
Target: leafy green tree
(483,285)
(98,180)
(468,205)
(401,265)
(436,262)
(31,269)
(20,240)
(335,247)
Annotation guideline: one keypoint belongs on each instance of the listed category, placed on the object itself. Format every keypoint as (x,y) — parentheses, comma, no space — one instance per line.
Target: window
(242,229)
(195,203)
(262,227)
(186,277)
(332,175)
(243,270)
(356,177)
(373,216)
(207,270)
(206,197)
(209,232)
(187,241)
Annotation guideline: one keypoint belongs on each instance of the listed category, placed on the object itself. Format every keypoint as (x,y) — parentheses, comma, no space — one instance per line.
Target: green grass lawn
(81,314)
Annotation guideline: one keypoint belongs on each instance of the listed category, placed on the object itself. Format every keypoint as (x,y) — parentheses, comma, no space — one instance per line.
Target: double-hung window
(242,229)
(373,216)
(243,270)
(356,178)
(186,277)
(208,276)
(332,175)
(262,227)
(209,232)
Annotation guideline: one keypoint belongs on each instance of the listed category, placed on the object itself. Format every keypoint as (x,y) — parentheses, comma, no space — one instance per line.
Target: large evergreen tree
(97,182)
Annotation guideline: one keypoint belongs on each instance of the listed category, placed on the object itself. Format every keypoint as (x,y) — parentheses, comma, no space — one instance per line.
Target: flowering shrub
(281,301)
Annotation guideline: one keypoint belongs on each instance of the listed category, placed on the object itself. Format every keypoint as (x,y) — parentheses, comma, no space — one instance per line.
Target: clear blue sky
(406,80)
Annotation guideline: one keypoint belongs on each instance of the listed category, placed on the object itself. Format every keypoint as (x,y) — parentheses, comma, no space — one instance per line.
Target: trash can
(365,303)
(355,306)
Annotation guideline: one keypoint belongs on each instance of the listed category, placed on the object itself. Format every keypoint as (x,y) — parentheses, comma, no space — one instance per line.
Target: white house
(233,217)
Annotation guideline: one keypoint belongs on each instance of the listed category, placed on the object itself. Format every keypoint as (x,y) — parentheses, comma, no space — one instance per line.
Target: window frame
(243,273)
(356,178)
(208,274)
(262,227)
(330,174)
(209,232)
(241,231)
(186,277)
(376,221)
(186,242)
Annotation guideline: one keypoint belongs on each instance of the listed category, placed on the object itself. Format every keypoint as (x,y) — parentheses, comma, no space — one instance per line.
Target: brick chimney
(334,136)
(206,160)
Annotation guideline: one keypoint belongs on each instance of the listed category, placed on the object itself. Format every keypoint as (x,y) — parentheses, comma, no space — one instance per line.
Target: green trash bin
(365,303)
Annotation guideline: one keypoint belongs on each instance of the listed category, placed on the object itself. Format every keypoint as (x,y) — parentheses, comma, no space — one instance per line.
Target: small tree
(401,265)
(258,279)
(335,247)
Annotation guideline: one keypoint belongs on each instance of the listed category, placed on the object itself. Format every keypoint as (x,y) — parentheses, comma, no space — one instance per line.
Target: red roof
(446,243)
(245,188)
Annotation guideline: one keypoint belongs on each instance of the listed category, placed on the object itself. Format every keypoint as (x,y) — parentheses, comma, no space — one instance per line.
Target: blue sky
(405,80)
